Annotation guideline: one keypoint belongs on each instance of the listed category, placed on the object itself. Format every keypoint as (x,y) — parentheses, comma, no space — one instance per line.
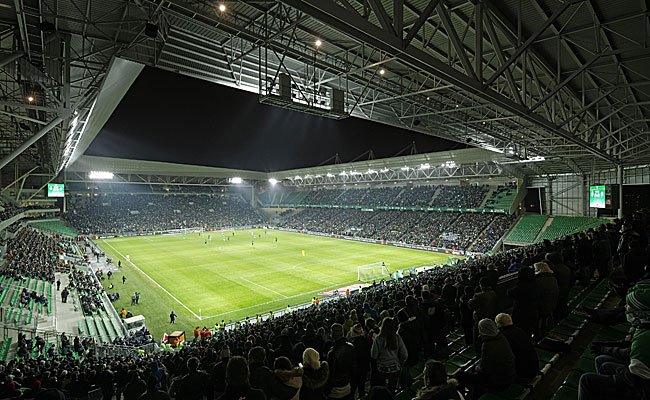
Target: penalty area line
(152,280)
(279,300)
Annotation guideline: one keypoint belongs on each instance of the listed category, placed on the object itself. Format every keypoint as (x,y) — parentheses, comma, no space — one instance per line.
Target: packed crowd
(339,349)
(442,229)
(469,196)
(500,225)
(125,213)
(460,196)
(88,289)
(32,254)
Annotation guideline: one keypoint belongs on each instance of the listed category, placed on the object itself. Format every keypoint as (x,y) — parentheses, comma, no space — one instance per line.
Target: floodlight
(318,43)
(30,98)
(343,173)
(330,175)
(382,71)
(405,168)
(425,166)
(273,181)
(100,175)
(384,170)
(235,180)
(222,7)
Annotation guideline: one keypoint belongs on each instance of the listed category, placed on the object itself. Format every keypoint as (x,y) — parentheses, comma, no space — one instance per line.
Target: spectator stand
(98,317)
(464,357)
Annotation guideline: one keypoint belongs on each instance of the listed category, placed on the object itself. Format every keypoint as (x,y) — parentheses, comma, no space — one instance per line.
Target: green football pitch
(239,274)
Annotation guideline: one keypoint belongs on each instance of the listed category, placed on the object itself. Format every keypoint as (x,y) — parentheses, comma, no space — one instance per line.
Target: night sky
(170,117)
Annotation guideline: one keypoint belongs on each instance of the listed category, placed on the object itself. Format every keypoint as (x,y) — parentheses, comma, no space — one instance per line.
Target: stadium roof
(564,80)
(455,164)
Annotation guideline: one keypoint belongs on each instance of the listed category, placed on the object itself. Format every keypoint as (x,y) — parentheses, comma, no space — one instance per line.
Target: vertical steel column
(619,173)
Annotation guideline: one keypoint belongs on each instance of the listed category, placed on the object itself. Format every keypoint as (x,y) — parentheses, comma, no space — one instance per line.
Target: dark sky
(170,117)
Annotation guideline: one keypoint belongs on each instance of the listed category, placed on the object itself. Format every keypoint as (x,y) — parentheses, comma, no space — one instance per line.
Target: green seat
(545,356)
(451,368)
(573,378)
(404,395)
(513,392)
(565,393)
(460,361)
(585,365)
(469,352)
(456,346)
(564,331)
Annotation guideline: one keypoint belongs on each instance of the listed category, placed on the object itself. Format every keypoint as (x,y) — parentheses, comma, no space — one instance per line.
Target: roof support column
(619,174)
(30,141)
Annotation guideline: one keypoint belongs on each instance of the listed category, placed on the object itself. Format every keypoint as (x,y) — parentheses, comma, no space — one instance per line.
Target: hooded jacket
(291,378)
(314,382)
(448,391)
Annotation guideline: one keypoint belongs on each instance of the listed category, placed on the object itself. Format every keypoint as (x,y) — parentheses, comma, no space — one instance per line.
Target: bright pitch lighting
(222,7)
(30,98)
(100,175)
(318,43)
(235,180)
(273,181)
(382,71)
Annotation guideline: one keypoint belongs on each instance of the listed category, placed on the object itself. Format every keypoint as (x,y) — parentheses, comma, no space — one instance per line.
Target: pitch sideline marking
(152,280)
(263,287)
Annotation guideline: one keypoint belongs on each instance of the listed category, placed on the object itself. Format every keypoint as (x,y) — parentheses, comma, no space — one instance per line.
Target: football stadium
(325,199)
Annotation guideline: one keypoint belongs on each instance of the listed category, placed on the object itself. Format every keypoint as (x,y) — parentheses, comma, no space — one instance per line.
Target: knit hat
(503,320)
(337,331)
(638,301)
(311,357)
(356,330)
(487,327)
(542,267)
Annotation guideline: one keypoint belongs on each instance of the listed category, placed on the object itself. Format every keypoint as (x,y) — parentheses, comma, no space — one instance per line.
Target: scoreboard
(604,197)
(598,196)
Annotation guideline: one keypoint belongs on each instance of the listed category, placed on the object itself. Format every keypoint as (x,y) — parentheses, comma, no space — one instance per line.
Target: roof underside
(564,80)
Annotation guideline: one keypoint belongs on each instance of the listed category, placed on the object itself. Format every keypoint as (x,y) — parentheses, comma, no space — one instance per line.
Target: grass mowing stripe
(154,282)
(262,286)
(279,301)
(205,275)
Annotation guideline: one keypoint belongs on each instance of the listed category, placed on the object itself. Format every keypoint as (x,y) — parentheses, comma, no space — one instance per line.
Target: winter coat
(447,391)
(341,360)
(497,361)
(388,360)
(548,292)
(526,299)
(242,393)
(362,353)
(484,304)
(192,386)
(314,382)
(564,277)
(526,360)
(413,340)
(291,378)
(261,377)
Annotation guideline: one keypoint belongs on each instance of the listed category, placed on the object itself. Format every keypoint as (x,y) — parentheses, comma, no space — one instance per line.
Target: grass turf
(229,278)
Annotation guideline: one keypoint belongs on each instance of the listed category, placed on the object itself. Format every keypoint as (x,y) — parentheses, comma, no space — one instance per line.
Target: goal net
(371,272)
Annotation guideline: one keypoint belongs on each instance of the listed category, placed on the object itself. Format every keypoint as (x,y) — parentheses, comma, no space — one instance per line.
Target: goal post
(375,271)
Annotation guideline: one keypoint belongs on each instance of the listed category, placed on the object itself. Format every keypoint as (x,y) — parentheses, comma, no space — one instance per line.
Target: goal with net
(371,272)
